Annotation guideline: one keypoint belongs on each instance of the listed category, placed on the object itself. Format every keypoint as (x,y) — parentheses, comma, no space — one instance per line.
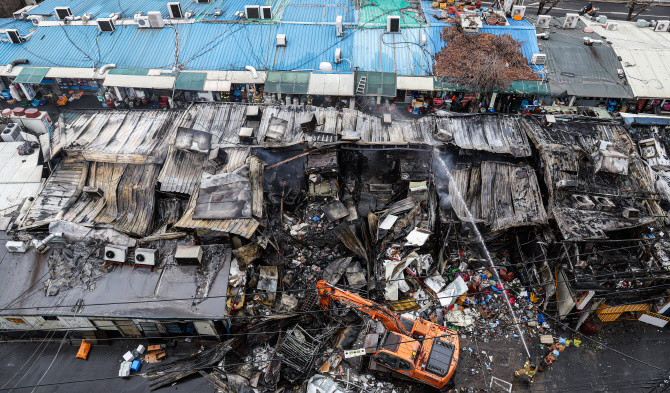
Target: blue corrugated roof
(22,26)
(203,46)
(127,8)
(374,50)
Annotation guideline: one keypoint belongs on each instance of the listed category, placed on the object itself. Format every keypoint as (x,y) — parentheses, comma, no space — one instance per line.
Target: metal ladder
(360,89)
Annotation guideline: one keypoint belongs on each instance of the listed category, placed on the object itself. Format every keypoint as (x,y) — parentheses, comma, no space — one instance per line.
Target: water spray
(486,252)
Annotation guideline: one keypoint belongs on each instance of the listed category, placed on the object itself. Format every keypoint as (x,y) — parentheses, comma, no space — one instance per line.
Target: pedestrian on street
(549,360)
(527,373)
(559,346)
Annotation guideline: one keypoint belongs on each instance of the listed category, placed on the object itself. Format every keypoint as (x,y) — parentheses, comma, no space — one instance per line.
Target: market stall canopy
(140,81)
(287,82)
(376,83)
(325,84)
(31,75)
(417,83)
(515,87)
(73,72)
(194,81)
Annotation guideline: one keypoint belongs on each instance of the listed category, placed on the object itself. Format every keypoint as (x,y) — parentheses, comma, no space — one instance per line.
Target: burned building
(220,220)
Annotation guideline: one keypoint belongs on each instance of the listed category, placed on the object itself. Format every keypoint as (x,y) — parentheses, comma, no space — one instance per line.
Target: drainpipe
(11,65)
(106,67)
(253,71)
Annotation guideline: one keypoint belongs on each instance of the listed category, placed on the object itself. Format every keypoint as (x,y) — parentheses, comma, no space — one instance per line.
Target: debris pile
(483,62)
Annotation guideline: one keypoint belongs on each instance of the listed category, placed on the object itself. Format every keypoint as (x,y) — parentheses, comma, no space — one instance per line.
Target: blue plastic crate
(136,365)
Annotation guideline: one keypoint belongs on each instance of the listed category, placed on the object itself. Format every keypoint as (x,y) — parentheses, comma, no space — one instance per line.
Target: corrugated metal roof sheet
(588,71)
(645,55)
(127,8)
(324,11)
(374,50)
(22,26)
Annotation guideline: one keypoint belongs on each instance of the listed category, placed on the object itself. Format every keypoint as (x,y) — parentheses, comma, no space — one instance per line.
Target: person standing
(549,360)
(529,369)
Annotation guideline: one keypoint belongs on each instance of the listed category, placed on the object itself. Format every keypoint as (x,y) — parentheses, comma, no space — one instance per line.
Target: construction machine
(420,350)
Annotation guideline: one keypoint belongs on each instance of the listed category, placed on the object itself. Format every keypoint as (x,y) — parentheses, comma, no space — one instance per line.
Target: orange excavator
(419,350)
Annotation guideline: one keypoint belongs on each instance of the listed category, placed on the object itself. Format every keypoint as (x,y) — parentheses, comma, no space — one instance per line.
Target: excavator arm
(390,320)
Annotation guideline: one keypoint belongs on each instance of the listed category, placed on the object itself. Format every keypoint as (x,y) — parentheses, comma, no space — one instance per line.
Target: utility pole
(637,6)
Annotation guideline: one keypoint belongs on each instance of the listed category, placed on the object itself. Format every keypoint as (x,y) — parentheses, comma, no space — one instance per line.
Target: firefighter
(559,346)
(528,371)
(549,360)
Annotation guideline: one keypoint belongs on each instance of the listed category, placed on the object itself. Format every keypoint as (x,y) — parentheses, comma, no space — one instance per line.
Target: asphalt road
(613,10)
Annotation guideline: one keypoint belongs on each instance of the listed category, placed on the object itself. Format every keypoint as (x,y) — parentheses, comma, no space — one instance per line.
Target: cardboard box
(547,339)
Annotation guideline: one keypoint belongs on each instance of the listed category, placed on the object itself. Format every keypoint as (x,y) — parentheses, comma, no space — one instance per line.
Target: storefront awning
(194,81)
(331,84)
(73,72)
(287,82)
(416,83)
(376,84)
(140,81)
(31,75)
(516,87)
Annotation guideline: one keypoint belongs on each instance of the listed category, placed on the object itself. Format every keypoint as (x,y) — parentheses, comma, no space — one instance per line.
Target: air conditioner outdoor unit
(145,256)
(12,133)
(188,255)
(20,15)
(36,19)
(143,22)
(203,1)
(156,20)
(63,12)
(518,10)
(393,24)
(543,21)
(16,247)
(266,12)
(648,148)
(106,24)
(538,59)
(252,12)
(642,23)
(114,253)
(175,10)
(338,56)
(281,40)
(14,36)
(570,21)
(662,25)
(612,26)
(340,26)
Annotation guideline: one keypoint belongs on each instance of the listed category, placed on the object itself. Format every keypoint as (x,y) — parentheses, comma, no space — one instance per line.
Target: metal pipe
(253,71)
(11,65)
(106,67)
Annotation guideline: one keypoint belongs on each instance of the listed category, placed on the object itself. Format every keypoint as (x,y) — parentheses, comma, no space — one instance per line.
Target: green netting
(373,14)
(194,81)
(377,83)
(129,71)
(287,82)
(31,75)
(516,87)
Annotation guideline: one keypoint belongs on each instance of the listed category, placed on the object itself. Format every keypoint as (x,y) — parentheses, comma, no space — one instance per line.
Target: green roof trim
(287,82)
(31,75)
(129,71)
(377,83)
(540,88)
(191,81)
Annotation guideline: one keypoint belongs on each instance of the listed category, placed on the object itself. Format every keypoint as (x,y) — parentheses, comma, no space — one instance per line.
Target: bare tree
(637,6)
(551,3)
(8,7)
